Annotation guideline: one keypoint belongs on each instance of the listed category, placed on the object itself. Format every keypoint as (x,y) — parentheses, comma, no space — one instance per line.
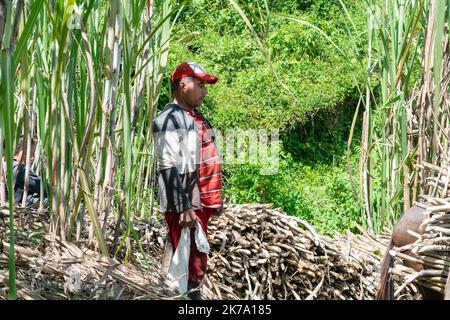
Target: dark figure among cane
(23,180)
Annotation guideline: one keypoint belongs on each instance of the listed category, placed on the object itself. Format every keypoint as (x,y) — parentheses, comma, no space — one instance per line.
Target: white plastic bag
(179,268)
(201,241)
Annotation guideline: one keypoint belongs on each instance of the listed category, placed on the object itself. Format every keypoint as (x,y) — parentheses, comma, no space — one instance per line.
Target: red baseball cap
(192,69)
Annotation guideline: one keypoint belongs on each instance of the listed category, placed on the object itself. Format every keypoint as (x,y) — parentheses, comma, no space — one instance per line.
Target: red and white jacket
(189,165)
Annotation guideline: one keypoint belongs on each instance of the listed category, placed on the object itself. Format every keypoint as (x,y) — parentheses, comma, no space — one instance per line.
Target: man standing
(190,173)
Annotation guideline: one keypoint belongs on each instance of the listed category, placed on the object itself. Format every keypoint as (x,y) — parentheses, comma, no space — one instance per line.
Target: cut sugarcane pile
(257,252)
(261,253)
(436,180)
(48,268)
(65,271)
(431,249)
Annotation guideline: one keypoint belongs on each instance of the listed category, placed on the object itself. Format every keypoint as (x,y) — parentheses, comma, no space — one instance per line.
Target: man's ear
(182,84)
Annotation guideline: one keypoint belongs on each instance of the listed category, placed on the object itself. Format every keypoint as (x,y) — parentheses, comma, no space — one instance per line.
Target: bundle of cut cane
(436,179)
(48,268)
(258,252)
(431,249)
(61,270)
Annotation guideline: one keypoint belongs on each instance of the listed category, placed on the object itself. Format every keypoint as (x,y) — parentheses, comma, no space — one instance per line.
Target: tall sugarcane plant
(12,50)
(405,119)
(7,123)
(83,78)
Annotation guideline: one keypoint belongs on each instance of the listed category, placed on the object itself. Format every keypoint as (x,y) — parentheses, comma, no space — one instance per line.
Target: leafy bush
(314,121)
(320,194)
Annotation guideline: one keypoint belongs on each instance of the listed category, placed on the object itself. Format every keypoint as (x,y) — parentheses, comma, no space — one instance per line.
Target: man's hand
(188,218)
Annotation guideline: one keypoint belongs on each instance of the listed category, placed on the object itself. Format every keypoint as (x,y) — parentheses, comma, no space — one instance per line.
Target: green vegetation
(83,78)
(86,82)
(314,120)
(402,131)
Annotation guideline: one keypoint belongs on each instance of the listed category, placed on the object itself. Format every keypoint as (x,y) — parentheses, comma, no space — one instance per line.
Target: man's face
(194,92)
